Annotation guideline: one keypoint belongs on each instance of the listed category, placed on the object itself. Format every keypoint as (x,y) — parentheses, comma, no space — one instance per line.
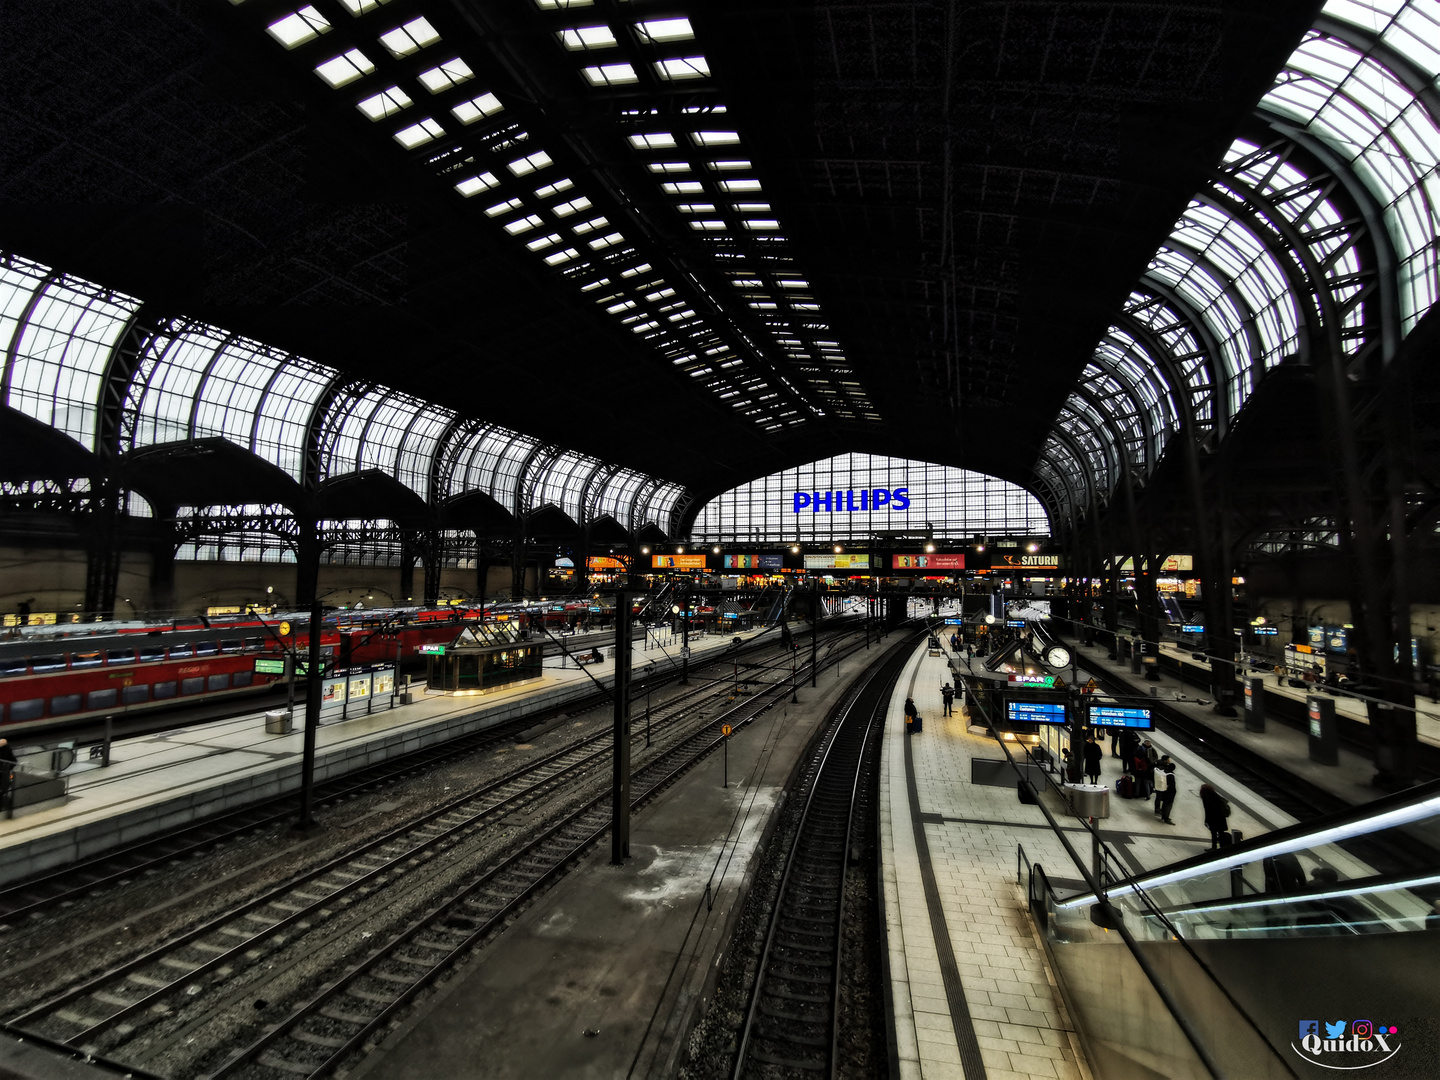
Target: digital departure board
(1036,712)
(1118,716)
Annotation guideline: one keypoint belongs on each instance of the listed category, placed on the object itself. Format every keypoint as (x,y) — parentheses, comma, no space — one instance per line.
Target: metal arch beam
(121,367)
(209,367)
(1219,399)
(1117,436)
(12,348)
(524,479)
(1325,320)
(318,432)
(1373,45)
(1387,261)
(1089,496)
(1180,390)
(1149,451)
(1227,286)
(1116,462)
(1159,381)
(609,471)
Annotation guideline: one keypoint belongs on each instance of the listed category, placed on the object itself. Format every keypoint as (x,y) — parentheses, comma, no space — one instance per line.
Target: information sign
(1044,682)
(1018,624)
(1265,631)
(1118,716)
(269,666)
(725,730)
(1193,628)
(954,622)
(1035,712)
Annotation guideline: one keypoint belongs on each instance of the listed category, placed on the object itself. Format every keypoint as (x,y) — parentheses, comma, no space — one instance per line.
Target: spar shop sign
(851,501)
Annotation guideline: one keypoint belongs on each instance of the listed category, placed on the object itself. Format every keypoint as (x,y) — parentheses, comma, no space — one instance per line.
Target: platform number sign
(725,730)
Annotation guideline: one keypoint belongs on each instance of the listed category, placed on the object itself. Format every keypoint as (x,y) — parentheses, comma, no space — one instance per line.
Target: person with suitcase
(1217,815)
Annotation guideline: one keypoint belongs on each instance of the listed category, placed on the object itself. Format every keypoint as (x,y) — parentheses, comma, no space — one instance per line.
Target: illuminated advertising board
(1002,561)
(927,562)
(269,666)
(1265,631)
(1040,682)
(752,562)
(1035,712)
(851,501)
(678,562)
(1115,716)
(837,562)
(603,562)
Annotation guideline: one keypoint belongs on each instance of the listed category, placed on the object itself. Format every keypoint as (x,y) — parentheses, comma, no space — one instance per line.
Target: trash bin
(277,722)
(1089,800)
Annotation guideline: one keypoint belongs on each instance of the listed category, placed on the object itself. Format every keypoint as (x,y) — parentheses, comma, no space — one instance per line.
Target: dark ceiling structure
(965,195)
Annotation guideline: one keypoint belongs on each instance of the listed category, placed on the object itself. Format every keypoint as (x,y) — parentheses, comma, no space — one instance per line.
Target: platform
(169,779)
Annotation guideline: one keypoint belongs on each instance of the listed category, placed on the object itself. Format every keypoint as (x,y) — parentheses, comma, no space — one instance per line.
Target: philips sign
(844,502)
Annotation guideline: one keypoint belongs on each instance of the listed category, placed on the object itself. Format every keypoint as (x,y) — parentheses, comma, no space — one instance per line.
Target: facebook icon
(1309,1027)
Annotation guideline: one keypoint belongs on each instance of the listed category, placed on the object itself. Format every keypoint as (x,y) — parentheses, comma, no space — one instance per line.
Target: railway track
(112,1013)
(35,895)
(792,1023)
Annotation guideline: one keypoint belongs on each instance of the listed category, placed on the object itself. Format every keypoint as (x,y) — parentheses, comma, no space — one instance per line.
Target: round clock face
(1057,656)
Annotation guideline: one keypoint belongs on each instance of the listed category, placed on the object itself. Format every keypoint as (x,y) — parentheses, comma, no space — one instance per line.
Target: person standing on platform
(7,772)
(1093,756)
(1165,795)
(947,695)
(910,712)
(955,643)
(1217,813)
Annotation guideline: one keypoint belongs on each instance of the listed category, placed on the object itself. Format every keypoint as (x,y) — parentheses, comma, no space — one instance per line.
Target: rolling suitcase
(1125,787)
(1231,837)
(917,724)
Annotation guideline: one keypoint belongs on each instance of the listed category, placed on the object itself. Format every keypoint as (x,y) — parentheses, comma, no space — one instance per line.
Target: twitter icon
(1335,1030)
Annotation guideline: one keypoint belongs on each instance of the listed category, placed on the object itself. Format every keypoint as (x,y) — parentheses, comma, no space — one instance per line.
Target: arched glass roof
(1265,253)
(189,380)
(939,500)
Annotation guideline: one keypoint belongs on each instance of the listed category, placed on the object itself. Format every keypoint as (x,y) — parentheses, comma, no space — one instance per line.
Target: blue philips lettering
(864,495)
(878,498)
(902,498)
(821,502)
(802,500)
(850,506)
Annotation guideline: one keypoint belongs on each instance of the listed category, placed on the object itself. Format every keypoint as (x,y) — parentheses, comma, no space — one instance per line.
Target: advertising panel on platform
(753,562)
(927,562)
(603,562)
(678,562)
(837,562)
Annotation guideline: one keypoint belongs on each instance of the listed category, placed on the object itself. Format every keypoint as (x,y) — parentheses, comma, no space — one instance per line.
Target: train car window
(101,699)
(242,678)
(15,665)
(206,648)
(134,695)
(180,652)
(152,653)
(232,645)
(192,686)
(163,690)
(218,682)
(120,656)
(32,709)
(47,663)
(84,659)
(255,642)
(61,704)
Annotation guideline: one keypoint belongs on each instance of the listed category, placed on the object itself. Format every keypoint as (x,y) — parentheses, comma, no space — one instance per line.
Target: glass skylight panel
(475,184)
(360,7)
(562,5)
(750,207)
(591,225)
(574,206)
(585,38)
(664,167)
(715,138)
(685,67)
(558,186)
(656,31)
(520,225)
(565,256)
(467,112)
(294,30)
(530,163)
(603,242)
(695,208)
(761,224)
(660,294)
(683,187)
(345,68)
(708,225)
(444,76)
(419,134)
(544,242)
(386,103)
(610,75)
(623,305)
(643,268)
(410,38)
(660,140)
